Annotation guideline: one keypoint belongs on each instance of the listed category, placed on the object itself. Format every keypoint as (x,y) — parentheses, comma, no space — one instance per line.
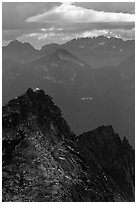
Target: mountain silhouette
(43,160)
(20,52)
(98,96)
(101,51)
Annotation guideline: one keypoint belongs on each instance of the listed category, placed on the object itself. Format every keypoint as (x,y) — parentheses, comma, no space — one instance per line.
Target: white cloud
(51,29)
(45,23)
(69,13)
(118,33)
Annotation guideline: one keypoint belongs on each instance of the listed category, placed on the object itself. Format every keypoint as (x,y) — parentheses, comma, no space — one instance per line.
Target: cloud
(39,38)
(69,13)
(117,7)
(14,14)
(118,33)
(40,23)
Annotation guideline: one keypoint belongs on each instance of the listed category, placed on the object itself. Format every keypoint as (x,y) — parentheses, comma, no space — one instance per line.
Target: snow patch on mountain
(86,98)
(52,79)
(63,57)
(73,76)
(71,60)
(81,47)
(102,43)
(36,89)
(54,64)
(79,63)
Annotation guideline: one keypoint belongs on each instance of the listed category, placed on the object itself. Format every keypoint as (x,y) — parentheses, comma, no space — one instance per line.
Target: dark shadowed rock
(116,157)
(44,161)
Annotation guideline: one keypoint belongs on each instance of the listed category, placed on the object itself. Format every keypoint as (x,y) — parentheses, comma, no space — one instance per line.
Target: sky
(58,22)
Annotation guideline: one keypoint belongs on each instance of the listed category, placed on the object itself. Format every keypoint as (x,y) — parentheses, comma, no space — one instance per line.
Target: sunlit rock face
(44,161)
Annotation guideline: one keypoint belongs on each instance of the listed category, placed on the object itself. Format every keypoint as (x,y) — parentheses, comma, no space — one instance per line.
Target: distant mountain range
(97,52)
(101,51)
(88,96)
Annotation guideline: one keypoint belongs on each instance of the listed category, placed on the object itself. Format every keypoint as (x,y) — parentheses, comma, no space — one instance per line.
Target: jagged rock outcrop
(44,161)
(115,157)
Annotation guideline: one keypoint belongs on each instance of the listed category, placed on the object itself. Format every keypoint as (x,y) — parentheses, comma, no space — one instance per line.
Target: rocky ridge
(44,161)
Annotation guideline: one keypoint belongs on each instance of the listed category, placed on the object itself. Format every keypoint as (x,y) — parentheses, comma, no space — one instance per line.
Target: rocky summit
(43,160)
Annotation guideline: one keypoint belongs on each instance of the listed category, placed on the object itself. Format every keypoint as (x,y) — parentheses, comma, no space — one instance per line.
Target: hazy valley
(95,76)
